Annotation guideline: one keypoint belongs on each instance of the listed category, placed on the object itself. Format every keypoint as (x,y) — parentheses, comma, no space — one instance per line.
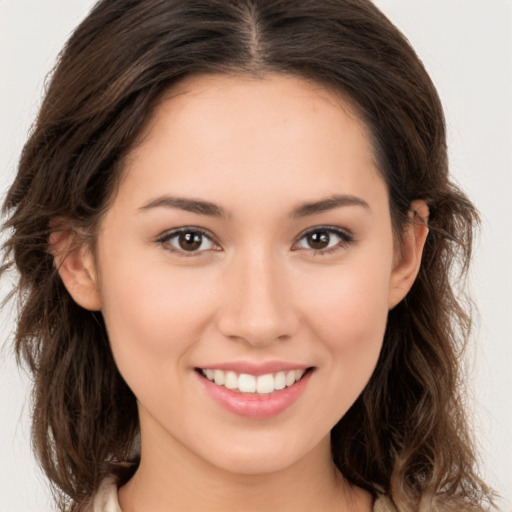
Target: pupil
(319,239)
(190,241)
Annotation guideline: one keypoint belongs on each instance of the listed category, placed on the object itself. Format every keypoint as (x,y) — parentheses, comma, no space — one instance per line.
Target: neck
(171,478)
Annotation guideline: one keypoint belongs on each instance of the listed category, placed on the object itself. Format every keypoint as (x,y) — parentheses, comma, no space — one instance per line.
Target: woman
(234,230)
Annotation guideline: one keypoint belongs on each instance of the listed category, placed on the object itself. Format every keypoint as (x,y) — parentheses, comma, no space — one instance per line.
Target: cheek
(351,300)
(349,316)
(154,317)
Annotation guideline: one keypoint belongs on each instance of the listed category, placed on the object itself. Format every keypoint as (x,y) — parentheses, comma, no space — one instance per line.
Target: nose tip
(254,333)
(255,329)
(257,307)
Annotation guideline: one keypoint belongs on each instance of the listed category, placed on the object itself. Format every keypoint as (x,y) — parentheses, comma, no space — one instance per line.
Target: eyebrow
(190,205)
(201,207)
(330,203)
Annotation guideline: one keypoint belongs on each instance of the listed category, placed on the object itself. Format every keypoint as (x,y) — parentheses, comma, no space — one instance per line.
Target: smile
(251,393)
(247,383)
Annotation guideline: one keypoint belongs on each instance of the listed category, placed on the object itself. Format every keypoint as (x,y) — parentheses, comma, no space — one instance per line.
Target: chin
(257,464)
(259,456)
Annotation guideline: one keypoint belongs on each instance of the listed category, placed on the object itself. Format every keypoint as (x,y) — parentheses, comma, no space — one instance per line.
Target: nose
(257,301)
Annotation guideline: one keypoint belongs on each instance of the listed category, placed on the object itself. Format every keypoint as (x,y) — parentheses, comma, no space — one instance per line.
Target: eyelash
(345,239)
(166,237)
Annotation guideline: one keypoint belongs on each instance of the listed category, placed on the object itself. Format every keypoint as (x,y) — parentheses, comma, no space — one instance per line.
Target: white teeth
(290,377)
(265,383)
(219,377)
(280,380)
(231,380)
(246,383)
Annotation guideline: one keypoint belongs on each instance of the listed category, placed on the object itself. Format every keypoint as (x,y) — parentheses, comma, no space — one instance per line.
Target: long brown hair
(406,436)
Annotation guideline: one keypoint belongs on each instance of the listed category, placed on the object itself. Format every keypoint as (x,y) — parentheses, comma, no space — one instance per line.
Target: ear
(408,257)
(75,265)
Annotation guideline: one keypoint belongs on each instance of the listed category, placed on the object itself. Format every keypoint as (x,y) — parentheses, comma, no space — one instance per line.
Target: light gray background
(466,46)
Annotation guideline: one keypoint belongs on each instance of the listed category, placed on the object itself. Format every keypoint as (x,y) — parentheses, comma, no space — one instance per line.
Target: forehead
(222,132)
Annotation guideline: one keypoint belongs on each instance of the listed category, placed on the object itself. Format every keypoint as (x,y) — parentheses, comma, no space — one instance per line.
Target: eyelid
(345,235)
(164,238)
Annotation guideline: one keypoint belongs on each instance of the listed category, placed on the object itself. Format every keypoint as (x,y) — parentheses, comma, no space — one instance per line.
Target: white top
(106,499)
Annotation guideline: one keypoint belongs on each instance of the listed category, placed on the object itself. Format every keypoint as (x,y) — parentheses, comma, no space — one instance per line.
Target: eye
(324,240)
(187,241)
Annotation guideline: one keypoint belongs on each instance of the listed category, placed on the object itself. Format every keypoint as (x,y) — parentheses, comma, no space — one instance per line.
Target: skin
(256,290)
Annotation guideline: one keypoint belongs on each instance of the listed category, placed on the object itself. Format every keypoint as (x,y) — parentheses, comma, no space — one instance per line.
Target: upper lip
(254,368)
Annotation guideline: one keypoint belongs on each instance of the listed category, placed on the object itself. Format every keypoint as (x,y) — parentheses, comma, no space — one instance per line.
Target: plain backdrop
(466,46)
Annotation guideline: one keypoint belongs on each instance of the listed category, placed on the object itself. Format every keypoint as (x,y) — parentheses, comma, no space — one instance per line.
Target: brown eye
(325,240)
(318,239)
(187,242)
(190,241)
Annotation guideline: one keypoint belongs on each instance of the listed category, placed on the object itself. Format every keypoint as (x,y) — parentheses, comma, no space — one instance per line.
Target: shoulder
(106,497)
(383,504)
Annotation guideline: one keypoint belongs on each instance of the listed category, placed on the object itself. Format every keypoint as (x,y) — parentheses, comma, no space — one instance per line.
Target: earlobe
(408,259)
(76,267)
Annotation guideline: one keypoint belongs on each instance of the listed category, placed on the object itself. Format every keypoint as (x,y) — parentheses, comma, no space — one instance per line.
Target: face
(249,245)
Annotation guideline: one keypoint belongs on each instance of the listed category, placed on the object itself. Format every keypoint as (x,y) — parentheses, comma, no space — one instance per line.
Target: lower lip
(255,406)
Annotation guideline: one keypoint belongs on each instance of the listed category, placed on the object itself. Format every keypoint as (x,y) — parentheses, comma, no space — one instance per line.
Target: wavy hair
(406,436)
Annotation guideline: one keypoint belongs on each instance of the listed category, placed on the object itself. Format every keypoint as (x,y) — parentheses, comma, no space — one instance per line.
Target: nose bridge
(257,302)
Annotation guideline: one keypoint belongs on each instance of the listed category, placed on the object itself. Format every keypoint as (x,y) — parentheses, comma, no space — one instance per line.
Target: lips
(255,391)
